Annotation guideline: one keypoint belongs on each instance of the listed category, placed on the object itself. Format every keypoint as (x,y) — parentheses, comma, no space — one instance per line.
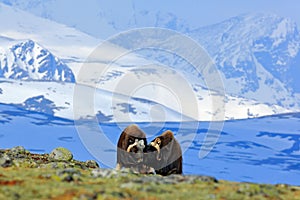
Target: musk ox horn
(136,142)
(156,146)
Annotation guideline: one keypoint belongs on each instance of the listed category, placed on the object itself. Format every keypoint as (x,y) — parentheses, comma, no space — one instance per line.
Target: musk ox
(131,148)
(164,155)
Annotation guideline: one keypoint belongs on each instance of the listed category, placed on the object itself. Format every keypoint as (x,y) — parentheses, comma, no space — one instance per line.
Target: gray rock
(91,164)
(104,173)
(173,179)
(69,174)
(55,165)
(5,161)
(18,150)
(110,173)
(70,171)
(61,154)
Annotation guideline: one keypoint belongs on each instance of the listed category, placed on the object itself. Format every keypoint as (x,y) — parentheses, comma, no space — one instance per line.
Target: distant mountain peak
(28,60)
(243,44)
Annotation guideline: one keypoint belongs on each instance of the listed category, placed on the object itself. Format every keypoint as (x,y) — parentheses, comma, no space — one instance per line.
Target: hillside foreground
(56,175)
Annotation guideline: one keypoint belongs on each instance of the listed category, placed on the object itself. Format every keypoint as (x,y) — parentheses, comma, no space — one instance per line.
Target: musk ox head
(164,154)
(131,146)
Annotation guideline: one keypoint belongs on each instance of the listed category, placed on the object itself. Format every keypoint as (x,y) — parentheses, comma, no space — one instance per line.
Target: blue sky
(84,15)
(201,13)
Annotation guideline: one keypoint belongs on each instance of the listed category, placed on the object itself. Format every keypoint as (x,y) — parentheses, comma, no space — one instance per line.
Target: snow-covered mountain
(258,54)
(252,90)
(57,100)
(67,43)
(30,61)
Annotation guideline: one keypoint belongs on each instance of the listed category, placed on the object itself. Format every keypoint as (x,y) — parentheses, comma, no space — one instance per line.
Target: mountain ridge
(271,90)
(30,61)
(244,44)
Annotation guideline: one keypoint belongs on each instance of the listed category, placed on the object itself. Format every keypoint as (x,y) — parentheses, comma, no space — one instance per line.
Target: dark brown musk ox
(130,150)
(164,154)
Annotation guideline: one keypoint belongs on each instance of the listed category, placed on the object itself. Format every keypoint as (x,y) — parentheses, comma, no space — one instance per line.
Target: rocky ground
(24,175)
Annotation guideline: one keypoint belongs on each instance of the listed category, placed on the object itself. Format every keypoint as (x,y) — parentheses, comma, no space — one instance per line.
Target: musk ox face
(164,154)
(131,145)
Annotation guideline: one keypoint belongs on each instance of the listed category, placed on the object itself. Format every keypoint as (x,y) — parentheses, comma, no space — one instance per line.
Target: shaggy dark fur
(169,159)
(134,158)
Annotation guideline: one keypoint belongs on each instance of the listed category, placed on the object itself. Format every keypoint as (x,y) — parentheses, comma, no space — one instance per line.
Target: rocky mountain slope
(30,61)
(257,54)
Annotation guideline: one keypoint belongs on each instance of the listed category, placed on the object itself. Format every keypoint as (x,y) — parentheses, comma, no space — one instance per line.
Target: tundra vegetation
(57,175)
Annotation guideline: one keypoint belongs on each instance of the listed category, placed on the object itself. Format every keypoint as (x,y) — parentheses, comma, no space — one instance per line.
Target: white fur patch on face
(141,145)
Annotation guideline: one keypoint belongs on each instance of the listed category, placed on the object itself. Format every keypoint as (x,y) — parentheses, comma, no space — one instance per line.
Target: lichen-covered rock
(91,164)
(24,163)
(55,165)
(104,173)
(69,174)
(61,154)
(112,173)
(5,160)
(174,179)
(59,158)
(18,150)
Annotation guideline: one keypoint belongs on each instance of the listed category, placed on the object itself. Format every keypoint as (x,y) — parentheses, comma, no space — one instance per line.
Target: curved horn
(132,145)
(156,146)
